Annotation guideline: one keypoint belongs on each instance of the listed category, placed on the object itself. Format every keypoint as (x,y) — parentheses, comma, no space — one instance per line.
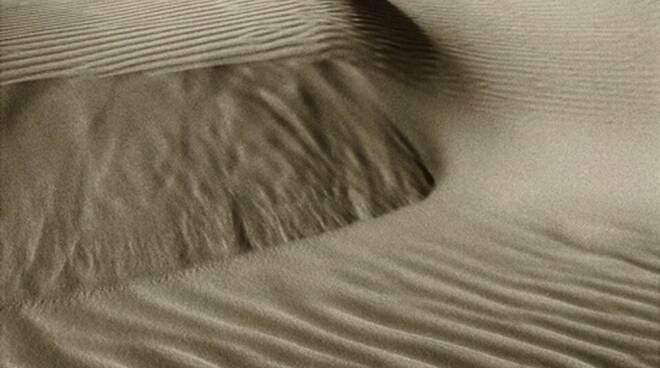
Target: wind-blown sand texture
(197,185)
(143,174)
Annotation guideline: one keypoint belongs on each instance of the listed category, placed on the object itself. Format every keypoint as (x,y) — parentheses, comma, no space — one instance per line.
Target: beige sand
(139,175)
(539,245)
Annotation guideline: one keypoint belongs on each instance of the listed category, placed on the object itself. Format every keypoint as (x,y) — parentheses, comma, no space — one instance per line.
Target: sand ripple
(376,295)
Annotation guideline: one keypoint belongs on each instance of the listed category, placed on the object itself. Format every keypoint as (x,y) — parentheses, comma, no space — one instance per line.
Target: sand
(330,183)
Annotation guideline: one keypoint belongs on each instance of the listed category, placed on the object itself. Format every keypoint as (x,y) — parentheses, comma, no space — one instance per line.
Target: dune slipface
(105,180)
(136,174)
(212,183)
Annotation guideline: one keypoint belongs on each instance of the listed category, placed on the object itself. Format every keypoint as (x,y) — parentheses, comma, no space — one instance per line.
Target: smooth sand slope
(145,215)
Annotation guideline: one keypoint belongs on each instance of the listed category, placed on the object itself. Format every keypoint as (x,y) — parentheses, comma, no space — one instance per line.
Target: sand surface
(330,183)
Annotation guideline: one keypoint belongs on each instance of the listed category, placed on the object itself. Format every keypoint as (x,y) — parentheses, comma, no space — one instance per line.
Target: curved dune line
(125,204)
(561,58)
(363,305)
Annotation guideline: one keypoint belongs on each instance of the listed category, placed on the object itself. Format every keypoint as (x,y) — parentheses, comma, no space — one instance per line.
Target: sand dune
(144,175)
(198,185)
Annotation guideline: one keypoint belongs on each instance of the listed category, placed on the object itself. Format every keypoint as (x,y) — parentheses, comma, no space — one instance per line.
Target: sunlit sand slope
(420,288)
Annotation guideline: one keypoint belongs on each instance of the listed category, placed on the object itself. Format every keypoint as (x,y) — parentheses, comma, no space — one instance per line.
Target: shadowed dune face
(105,180)
(111,179)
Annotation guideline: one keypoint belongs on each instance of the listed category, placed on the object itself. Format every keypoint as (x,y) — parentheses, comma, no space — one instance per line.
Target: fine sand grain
(263,183)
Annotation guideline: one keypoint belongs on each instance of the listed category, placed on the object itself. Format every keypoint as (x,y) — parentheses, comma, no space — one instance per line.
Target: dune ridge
(593,60)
